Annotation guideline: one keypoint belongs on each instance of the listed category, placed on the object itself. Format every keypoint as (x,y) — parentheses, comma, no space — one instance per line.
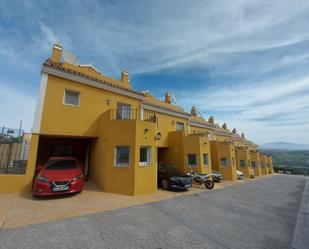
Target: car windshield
(61,165)
(169,169)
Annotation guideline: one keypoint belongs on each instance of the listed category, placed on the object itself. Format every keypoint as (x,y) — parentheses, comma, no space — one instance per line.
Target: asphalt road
(259,214)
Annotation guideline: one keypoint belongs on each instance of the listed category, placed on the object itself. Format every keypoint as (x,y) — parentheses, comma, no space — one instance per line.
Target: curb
(301,238)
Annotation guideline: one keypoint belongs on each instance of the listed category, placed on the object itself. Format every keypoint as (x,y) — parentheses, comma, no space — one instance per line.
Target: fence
(133,114)
(14,147)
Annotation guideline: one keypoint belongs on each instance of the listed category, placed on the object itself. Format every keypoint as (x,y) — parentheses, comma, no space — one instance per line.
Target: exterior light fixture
(158,136)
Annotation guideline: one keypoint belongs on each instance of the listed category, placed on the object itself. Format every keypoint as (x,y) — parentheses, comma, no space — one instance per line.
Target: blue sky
(245,62)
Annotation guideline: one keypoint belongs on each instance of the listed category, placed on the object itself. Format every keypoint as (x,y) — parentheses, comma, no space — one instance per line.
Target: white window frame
(253,164)
(124,113)
(121,165)
(180,123)
(72,91)
(149,156)
(206,165)
(244,164)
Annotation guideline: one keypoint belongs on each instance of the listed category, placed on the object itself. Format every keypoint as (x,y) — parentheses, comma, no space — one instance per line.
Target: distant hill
(284,146)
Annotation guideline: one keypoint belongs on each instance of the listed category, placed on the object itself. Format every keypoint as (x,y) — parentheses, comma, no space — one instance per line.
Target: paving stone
(259,214)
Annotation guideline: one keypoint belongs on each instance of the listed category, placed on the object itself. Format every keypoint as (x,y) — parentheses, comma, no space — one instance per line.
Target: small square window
(145,156)
(192,160)
(205,159)
(180,126)
(71,97)
(224,162)
(122,156)
(242,163)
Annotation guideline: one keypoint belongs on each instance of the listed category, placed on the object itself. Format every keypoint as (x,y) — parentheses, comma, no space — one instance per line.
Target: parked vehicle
(171,178)
(202,179)
(240,175)
(216,176)
(59,175)
(252,175)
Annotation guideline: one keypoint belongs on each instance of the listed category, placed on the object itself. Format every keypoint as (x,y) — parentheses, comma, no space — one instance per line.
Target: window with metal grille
(71,97)
(224,162)
(253,165)
(122,156)
(180,126)
(145,156)
(242,163)
(192,160)
(205,159)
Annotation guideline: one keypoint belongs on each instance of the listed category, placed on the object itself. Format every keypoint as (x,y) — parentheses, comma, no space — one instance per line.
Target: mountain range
(283,146)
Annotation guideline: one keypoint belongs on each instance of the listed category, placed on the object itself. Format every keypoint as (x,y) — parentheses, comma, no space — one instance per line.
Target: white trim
(73,91)
(89,82)
(149,150)
(201,125)
(40,104)
(58,47)
(89,65)
(126,165)
(165,111)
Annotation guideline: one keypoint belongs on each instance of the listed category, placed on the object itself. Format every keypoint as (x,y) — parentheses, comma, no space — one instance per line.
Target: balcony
(133,114)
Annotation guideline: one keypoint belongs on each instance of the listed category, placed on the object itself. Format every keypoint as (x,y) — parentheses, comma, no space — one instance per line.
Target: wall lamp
(158,136)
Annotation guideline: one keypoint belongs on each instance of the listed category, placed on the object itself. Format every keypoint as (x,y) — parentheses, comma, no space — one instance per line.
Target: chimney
(224,126)
(242,135)
(56,54)
(193,111)
(168,98)
(234,131)
(125,78)
(211,120)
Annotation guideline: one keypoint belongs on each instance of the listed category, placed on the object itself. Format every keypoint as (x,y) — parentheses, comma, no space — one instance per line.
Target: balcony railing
(133,114)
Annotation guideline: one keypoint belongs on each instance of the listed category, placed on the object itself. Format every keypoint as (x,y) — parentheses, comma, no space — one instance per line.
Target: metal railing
(133,114)
(14,147)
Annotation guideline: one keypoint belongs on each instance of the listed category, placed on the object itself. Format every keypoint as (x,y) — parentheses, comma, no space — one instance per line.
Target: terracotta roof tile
(60,66)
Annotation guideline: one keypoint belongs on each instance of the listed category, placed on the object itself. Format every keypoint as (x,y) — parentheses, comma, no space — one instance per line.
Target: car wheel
(164,184)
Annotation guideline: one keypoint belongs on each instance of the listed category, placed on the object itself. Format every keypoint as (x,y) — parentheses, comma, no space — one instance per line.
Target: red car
(60,175)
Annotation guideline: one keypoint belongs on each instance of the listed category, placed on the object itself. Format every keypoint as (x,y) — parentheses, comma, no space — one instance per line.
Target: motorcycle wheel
(209,184)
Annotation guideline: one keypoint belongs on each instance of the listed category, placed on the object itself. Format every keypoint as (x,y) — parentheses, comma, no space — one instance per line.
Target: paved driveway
(259,214)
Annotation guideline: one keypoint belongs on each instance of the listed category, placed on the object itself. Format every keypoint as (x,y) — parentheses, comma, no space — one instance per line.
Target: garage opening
(65,146)
(163,154)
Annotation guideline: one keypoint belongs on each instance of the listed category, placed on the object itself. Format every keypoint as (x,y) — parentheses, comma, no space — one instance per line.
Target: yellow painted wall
(60,119)
(22,183)
(220,149)
(264,168)
(165,124)
(199,145)
(180,145)
(242,153)
(255,157)
(270,163)
(130,180)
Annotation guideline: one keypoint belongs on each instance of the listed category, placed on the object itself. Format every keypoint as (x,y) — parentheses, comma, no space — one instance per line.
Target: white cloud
(264,43)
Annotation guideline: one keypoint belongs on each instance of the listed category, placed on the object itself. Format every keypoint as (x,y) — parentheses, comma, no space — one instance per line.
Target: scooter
(202,179)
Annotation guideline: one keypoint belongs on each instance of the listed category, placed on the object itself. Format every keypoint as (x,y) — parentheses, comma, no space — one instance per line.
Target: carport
(79,147)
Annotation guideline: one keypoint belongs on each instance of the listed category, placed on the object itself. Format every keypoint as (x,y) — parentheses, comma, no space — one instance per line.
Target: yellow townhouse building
(117,133)
(264,168)
(270,164)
